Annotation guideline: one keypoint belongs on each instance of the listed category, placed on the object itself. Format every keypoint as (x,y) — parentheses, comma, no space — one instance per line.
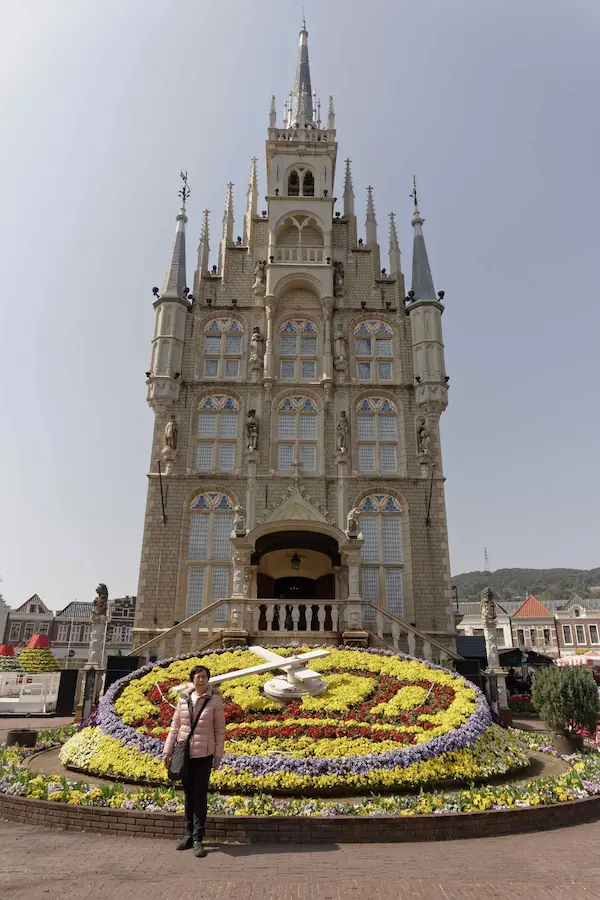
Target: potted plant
(566,699)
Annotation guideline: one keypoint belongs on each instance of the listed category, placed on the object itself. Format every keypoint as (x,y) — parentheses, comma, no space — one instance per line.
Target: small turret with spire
(169,332)
(425,311)
(175,279)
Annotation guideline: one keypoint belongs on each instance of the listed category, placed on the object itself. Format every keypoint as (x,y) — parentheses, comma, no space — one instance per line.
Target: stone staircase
(232,622)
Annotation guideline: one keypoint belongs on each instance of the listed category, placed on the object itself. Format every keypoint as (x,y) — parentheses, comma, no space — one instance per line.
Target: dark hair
(199,669)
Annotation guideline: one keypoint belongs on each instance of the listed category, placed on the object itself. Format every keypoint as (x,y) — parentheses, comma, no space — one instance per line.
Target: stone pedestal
(355,638)
(234,639)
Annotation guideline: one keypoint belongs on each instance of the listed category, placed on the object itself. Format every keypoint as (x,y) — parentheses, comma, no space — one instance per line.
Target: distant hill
(508,584)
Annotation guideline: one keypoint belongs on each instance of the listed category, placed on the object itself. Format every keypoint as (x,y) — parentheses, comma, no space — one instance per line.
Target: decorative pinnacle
(370,203)
(331,113)
(185,191)
(205,226)
(348,179)
(393,233)
(414,196)
(395,267)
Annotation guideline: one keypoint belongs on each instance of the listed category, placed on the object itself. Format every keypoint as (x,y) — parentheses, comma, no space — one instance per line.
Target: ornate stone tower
(296,461)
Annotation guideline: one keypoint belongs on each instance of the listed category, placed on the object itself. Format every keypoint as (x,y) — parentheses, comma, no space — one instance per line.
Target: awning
(514,657)
(582,660)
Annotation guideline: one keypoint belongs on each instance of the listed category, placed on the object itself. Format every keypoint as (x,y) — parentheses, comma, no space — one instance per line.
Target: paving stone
(43,864)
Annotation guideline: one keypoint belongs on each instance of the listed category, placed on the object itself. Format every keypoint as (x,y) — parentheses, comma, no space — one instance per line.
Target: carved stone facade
(292,332)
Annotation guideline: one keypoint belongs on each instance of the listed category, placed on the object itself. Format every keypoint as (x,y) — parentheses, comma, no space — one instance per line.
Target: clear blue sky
(493,105)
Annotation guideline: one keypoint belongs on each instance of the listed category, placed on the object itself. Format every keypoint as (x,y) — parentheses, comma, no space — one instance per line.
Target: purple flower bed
(464,736)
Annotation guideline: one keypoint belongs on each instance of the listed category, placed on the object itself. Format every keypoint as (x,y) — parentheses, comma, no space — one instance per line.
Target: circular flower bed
(386,722)
(582,780)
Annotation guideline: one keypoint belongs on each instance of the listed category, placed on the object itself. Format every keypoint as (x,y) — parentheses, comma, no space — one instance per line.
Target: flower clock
(385,722)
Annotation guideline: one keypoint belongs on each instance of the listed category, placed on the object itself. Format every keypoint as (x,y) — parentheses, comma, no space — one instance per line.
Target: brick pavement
(40,864)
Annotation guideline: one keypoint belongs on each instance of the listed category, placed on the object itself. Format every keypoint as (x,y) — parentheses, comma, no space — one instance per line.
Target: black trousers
(195,788)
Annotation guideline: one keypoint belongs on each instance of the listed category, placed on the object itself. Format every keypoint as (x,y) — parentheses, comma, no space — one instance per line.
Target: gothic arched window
(373,350)
(308,184)
(217,433)
(377,435)
(298,350)
(381,556)
(209,550)
(293,184)
(297,433)
(222,348)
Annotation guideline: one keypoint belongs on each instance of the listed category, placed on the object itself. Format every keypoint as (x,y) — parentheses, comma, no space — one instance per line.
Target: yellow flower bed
(111,758)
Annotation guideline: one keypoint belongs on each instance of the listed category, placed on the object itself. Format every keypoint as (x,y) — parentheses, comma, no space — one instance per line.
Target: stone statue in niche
(171,433)
(341,433)
(488,606)
(423,437)
(340,349)
(100,604)
(252,429)
(257,348)
(260,276)
(239,520)
(338,278)
(353,523)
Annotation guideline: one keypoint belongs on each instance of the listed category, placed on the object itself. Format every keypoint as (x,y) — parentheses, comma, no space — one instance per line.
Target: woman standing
(205,750)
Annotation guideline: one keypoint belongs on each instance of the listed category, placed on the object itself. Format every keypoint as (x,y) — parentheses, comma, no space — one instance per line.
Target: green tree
(566,699)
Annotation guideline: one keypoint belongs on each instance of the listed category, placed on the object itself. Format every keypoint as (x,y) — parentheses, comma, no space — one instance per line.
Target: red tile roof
(531,609)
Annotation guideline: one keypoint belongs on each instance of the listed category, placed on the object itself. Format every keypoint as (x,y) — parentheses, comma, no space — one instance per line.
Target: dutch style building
(297,386)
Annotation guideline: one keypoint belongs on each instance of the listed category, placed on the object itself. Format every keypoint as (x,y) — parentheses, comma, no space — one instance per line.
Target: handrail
(164,635)
(410,628)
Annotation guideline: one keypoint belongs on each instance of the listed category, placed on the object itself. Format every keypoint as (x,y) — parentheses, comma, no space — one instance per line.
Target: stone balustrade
(277,620)
(300,255)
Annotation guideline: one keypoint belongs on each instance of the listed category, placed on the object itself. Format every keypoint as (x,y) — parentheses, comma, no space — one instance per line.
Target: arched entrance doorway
(296,565)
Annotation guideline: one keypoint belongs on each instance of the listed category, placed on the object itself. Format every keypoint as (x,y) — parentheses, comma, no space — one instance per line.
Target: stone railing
(300,255)
(271,619)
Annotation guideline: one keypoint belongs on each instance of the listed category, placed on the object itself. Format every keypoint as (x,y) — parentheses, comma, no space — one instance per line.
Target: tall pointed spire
(175,279)
(422,282)
(394,247)
(204,247)
(371,221)
(302,99)
(228,216)
(272,113)
(348,192)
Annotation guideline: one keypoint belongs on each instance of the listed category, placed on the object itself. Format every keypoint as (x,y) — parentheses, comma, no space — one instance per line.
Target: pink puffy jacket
(209,737)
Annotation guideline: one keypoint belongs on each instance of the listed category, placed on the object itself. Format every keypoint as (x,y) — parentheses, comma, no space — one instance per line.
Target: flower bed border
(303,829)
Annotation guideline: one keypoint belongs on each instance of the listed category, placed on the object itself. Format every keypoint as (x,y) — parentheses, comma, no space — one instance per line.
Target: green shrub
(566,699)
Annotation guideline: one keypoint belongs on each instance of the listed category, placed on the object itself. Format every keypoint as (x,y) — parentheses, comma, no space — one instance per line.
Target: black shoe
(186,844)
(199,849)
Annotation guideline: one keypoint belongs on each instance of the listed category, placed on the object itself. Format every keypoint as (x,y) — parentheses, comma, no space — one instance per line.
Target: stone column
(269,307)
(354,634)
(490,621)
(235,633)
(327,350)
